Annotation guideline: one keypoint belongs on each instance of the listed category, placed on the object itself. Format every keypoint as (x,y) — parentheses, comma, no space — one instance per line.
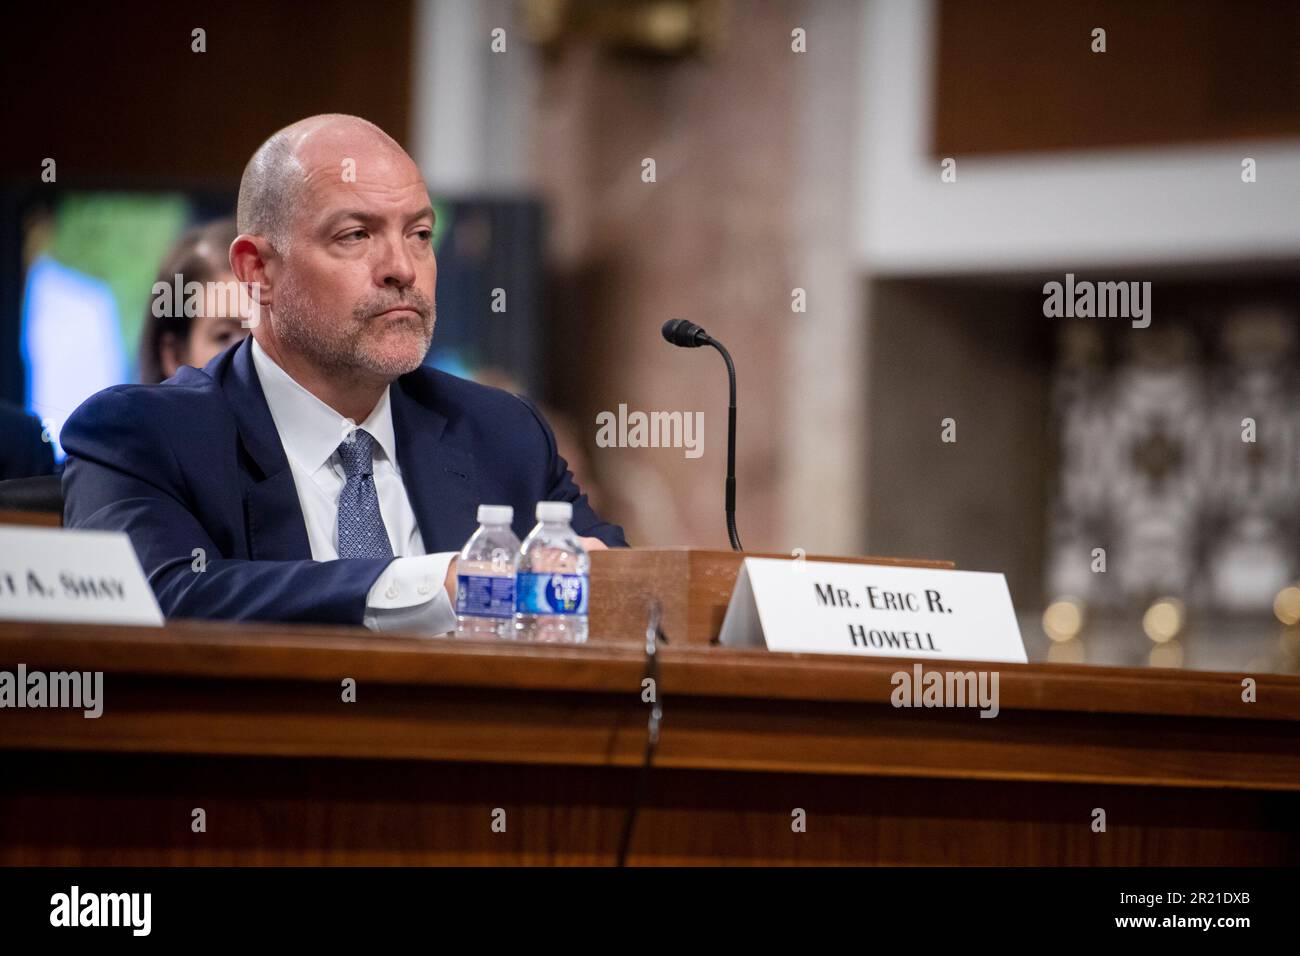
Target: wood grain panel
(248,723)
(1020,75)
(625,581)
(39,519)
(367,812)
(142,107)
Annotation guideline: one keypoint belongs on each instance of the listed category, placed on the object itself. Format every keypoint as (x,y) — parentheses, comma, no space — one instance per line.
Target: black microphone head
(686,334)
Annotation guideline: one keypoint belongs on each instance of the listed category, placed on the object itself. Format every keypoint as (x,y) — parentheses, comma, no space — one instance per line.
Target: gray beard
(344,354)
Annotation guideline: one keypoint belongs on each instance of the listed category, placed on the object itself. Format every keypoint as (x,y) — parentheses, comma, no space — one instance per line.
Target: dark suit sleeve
(23,453)
(560,486)
(122,474)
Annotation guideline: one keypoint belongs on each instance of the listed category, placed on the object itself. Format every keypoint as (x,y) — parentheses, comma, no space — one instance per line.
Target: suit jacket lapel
(440,479)
(276,529)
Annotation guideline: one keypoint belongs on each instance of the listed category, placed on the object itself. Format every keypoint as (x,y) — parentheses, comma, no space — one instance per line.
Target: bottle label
(551,593)
(483,595)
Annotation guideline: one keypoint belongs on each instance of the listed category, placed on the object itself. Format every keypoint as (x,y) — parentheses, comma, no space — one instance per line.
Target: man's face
(355,291)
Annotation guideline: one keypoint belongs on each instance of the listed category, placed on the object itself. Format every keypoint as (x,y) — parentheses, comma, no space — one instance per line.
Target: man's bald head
(336,232)
(273,180)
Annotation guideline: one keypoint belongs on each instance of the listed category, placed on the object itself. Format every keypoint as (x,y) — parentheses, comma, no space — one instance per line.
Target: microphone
(688,335)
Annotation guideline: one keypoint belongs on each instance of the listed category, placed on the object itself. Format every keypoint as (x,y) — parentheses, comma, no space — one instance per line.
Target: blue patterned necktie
(361,531)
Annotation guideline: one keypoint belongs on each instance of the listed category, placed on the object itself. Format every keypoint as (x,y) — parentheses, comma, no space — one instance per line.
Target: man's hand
(450,583)
(594,544)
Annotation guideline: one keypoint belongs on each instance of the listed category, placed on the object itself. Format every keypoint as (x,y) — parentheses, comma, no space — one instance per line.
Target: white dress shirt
(409,595)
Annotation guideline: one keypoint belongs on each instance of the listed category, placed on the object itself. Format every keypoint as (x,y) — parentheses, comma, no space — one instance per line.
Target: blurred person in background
(201,254)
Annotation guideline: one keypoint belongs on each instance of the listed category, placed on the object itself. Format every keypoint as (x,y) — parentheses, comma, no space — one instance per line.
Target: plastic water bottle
(552,586)
(485,576)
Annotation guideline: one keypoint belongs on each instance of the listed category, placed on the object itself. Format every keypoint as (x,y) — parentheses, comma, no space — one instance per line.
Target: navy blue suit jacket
(197,463)
(22,453)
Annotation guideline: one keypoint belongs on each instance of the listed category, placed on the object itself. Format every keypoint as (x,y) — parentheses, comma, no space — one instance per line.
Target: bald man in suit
(318,471)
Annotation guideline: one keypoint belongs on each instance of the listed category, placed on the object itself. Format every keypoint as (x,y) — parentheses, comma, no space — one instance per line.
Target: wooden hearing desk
(247,723)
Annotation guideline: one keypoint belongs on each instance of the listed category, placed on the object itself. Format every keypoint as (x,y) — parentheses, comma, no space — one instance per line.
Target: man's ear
(253,260)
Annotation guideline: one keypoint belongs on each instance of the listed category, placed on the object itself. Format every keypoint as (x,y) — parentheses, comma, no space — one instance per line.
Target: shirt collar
(309,429)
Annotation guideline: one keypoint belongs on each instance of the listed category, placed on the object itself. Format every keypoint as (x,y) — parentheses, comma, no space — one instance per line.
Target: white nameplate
(824,607)
(49,574)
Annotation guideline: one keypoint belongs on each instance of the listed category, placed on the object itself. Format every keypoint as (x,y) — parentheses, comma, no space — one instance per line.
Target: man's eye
(354,234)
(426,235)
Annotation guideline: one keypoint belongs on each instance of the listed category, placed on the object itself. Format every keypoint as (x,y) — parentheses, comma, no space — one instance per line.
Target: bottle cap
(495,514)
(554,511)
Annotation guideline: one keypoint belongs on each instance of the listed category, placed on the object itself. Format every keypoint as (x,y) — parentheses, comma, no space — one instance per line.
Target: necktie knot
(356,452)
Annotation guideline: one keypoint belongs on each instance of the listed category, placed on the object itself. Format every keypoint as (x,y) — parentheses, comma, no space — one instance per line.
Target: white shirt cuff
(411,596)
